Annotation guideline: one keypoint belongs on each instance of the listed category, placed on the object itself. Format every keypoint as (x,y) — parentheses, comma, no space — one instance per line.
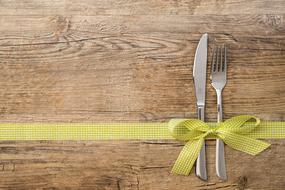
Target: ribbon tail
(244,143)
(187,157)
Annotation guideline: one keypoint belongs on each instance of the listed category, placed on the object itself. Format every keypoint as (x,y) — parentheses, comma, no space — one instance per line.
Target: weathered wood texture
(120,60)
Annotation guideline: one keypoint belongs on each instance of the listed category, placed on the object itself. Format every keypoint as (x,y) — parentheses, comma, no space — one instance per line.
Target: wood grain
(71,61)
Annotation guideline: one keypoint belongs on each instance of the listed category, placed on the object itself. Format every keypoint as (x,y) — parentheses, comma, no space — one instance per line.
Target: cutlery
(199,76)
(219,80)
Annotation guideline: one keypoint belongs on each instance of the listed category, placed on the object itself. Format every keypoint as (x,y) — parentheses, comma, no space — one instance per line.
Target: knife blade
(199,77)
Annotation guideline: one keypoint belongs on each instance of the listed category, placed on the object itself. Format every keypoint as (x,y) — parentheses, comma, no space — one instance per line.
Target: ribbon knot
(232,131)
(211,132)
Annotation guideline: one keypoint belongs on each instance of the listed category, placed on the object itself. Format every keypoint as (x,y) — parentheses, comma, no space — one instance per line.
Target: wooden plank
(140,7)
(129,165)
(52,29)
(82,62)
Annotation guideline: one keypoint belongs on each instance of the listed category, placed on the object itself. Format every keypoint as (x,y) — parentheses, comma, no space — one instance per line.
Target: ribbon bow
(233,132)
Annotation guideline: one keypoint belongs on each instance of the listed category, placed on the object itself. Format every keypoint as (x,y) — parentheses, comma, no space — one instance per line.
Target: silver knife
(199,76)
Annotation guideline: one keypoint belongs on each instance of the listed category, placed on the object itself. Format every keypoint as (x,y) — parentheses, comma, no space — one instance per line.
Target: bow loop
(236,124)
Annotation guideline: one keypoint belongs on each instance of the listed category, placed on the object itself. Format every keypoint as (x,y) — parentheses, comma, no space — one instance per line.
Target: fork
(219,80)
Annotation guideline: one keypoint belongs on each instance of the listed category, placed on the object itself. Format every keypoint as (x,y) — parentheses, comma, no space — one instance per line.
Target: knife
(199,76)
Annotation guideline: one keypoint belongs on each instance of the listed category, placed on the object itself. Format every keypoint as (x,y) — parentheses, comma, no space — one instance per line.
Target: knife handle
(201,170)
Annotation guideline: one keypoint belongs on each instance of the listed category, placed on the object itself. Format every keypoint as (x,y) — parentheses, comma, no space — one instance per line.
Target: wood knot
(60,25)
(242,182)
(274,21)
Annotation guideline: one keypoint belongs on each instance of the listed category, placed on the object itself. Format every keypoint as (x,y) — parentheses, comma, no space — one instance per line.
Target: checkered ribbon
(238,132)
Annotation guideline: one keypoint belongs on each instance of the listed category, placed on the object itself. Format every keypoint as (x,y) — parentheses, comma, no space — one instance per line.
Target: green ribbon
(239,132)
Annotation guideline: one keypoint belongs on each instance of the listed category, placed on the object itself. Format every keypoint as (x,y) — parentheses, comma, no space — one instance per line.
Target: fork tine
(220,63)
(225,58)
(214,63)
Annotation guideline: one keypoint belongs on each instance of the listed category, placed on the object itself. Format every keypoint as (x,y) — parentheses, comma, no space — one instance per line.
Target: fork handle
(220,152)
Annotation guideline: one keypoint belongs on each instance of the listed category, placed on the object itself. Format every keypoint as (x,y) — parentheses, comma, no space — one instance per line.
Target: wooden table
(120,60)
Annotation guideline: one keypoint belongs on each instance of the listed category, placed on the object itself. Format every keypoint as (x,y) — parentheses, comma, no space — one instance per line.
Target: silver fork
(219,80)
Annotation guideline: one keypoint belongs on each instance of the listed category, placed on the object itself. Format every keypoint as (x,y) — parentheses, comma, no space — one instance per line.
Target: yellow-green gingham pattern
(238,132)
(83,131)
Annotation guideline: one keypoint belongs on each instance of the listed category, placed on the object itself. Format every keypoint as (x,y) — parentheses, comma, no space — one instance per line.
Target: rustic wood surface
(121,60)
